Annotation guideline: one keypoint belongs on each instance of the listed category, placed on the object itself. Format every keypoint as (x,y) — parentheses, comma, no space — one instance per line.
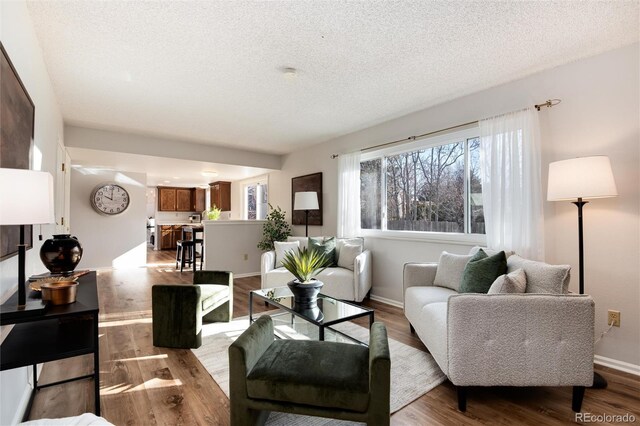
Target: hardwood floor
(145,385)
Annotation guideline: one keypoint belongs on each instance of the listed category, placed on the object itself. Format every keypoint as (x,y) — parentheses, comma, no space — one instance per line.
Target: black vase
(305,296)
(61,254)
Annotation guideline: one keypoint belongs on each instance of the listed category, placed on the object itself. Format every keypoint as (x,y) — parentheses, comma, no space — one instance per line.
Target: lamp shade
(26,197)
(584,177)
(307,200)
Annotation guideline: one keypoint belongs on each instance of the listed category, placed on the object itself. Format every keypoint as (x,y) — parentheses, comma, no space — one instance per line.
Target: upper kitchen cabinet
(199,202)
(221,195)
(167,200)
(183,200)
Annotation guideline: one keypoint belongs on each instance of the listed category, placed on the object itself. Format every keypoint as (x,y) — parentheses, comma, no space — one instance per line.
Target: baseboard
(627,367)
(248,274)
(23,404)
(387,301)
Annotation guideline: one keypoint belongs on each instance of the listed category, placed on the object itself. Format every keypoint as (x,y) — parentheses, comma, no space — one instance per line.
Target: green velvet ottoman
(326,379)
(179,310)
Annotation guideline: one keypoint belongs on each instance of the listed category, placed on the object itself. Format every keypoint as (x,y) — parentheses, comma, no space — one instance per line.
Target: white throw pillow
(450,269)
(348,254)
(282,247)
(514,282)
(541,277)
(304,241)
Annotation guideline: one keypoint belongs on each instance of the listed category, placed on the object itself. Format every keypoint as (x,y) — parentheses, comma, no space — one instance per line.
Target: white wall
(20,42)
(109,241)
(227,242)
(599,114)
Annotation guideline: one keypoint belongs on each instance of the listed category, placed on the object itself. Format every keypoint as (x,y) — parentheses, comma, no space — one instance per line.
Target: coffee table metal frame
(285,293)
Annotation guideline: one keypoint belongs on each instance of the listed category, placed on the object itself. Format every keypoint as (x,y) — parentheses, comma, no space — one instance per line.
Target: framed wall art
(312,182)
(17,120)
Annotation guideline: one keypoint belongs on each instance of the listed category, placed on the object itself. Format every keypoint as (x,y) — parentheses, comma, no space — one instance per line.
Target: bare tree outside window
(426,190)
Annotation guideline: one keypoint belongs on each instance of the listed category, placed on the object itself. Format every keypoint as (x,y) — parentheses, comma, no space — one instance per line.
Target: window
(435,186)
(255,201)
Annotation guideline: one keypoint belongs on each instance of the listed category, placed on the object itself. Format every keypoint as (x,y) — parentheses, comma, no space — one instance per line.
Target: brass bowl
(36,285)
(60,292)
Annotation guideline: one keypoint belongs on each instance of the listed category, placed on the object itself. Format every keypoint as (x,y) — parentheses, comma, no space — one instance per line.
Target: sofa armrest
(379,366)
(245,351)
(267,263)
(176,307)
(520,340)
(362,275)
(418,274)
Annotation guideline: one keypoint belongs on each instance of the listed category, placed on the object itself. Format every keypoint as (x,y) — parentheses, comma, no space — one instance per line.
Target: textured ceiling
(211,71)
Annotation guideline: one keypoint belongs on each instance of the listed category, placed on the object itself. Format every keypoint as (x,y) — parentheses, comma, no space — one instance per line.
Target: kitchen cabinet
(167,240)
(169,235)
(183,199)
(199,196)
(166,199)
(172,199)
(221,195)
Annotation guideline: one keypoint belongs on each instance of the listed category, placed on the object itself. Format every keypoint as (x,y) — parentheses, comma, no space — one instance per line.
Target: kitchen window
(429,186)
(255,201)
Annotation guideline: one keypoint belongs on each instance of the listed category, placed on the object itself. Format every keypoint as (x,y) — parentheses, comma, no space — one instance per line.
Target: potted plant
(305,264)
(276,228)
(212,214)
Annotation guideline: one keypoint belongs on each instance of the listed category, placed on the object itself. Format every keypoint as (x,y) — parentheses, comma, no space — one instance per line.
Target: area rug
(413,372)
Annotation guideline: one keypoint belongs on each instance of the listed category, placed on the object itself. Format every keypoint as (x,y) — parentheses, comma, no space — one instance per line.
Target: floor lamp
(576,180)
(26,198)
(307,200)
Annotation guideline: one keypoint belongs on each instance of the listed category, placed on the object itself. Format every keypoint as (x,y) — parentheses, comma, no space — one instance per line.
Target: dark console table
(59,332)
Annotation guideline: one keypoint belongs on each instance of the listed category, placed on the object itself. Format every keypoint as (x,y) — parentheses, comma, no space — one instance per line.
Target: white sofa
(527,339)
(339,283)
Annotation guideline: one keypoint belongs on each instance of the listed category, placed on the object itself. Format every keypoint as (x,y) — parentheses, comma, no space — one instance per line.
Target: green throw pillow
(326,246)
(481,271)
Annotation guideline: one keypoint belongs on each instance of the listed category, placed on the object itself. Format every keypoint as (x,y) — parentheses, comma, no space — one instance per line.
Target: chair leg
(578,395)
(183,258)
(462,398)
(178,255)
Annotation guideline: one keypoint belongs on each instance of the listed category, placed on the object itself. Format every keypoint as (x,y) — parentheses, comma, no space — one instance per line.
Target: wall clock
(109,199)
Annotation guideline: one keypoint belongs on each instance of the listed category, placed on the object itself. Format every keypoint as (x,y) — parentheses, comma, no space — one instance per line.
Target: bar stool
(185,252)
(196,254)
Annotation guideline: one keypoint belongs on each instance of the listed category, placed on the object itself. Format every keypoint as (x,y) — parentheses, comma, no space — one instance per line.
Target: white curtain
(349,195)
(511,186)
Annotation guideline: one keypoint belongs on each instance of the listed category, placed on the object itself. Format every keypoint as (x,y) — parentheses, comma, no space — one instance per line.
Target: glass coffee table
(291,322)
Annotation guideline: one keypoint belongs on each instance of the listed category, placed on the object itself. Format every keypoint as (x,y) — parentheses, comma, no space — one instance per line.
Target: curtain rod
(549,103)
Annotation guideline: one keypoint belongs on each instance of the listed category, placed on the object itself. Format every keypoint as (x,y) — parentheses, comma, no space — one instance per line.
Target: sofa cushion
(348,254)
(541,277)
(282,248)
(490,252)
(211,294)
(514,282)
(433,332)
(450,269)
(325,246)
(416,298)
(481,271)
(334,375)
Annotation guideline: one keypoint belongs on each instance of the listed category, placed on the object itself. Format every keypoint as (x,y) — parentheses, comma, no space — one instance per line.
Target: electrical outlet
(613,317)
(246,256)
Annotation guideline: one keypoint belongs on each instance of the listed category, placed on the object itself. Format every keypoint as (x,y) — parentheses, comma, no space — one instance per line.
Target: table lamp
(577,180)
(306,200)
(26,198)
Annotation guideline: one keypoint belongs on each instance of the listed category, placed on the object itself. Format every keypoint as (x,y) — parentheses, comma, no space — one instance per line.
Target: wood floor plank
(145,385)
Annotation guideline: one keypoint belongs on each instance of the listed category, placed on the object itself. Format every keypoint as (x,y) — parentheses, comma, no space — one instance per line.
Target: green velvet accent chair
(325,379)
(180,309)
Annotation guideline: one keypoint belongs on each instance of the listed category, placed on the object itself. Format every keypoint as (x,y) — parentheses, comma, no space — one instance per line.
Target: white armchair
(340,283)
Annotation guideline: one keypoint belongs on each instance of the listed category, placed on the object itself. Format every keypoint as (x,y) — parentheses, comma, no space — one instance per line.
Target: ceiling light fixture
(209,173)
(290,73)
